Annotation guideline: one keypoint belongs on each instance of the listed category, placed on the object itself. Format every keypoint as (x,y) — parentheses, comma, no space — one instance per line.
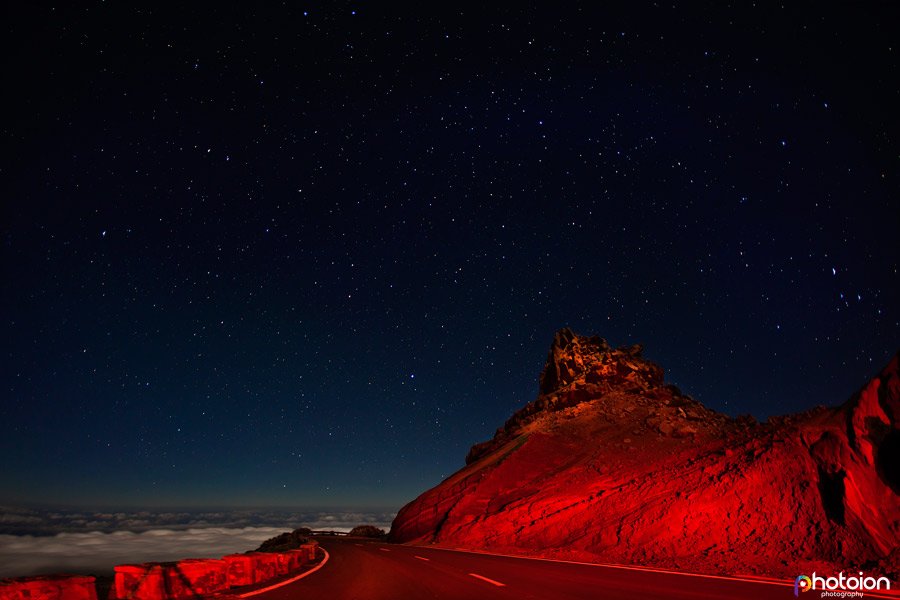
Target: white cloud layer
(97,552)
(27,521)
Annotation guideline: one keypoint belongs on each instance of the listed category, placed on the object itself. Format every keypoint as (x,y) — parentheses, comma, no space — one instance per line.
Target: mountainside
(610,464)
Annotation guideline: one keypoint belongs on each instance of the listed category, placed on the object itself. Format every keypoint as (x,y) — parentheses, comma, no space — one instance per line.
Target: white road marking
(360,545)
(384,549)
(747,579)
(423,558)
(287,581)
(491,581)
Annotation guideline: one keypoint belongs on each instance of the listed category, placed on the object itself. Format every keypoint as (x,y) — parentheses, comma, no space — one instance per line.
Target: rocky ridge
(585,369)
(611,464)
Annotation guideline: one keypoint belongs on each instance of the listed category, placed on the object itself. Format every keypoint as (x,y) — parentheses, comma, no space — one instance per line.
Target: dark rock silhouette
(610,464)
(289,540)
(368,531)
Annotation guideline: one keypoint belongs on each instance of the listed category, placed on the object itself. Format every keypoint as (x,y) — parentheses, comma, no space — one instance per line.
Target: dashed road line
(491,581)
(777,582)
(423,558)
(384,549)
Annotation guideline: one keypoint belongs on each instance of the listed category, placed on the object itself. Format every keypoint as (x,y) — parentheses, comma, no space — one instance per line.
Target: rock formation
(367,531)
(288,540)
(610,464)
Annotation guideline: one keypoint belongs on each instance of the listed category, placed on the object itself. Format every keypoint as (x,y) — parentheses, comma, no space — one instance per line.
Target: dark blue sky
(306,256)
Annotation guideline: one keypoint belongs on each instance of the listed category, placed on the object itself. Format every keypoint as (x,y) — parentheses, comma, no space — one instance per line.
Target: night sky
(307,255)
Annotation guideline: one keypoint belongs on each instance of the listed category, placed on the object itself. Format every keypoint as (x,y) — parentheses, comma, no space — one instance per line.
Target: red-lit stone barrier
(146,581)
(195,577)
(52,587)
(203,577)
(296,558)
(310,549)
(265,565)
(239,570)
(283,563)
(190,578)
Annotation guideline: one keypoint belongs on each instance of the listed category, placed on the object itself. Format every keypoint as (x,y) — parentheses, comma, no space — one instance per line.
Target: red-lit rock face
(609,464)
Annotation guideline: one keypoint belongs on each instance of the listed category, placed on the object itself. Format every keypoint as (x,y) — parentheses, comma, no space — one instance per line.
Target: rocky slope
(610,464)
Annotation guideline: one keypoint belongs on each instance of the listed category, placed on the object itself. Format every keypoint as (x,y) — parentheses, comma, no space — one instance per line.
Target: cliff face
(611,465)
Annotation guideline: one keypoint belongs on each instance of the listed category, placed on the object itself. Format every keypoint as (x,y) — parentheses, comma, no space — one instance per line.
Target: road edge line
(782,583)
(287,581)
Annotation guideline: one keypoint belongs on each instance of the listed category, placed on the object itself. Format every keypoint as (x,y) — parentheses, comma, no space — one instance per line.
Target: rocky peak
(577,359)
(569,356)
(582,369)
(609,464)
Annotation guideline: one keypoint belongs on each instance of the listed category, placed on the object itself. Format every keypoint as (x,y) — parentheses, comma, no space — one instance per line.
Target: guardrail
(189,578)
(49,587)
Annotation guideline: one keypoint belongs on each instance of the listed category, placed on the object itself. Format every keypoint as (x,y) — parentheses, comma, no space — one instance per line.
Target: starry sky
(306,255)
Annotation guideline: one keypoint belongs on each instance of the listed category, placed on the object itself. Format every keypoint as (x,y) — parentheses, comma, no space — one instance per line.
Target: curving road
(365,570)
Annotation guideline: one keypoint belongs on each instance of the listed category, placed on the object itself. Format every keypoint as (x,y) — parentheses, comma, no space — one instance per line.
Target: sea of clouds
(33,541)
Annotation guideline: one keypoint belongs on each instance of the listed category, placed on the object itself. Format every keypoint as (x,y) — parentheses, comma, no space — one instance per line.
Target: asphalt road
(365,570)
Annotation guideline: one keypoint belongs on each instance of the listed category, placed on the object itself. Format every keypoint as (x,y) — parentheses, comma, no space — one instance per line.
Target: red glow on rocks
(239,570)
(609,464)
(52,587)
(189,578)
(202,577)
(160,581)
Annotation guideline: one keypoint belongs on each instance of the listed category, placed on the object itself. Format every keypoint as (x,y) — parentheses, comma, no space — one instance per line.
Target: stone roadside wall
(189,578)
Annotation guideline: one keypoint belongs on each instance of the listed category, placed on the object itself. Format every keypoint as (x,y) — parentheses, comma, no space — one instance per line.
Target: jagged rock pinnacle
(580,369)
